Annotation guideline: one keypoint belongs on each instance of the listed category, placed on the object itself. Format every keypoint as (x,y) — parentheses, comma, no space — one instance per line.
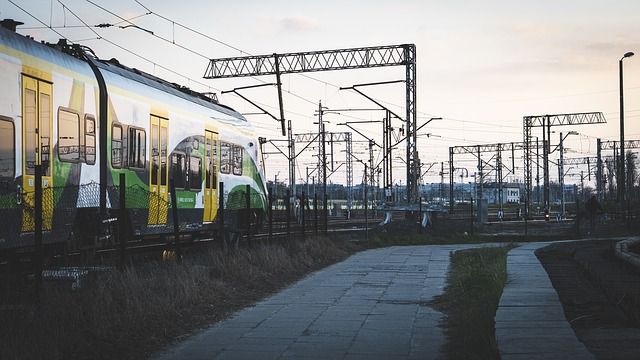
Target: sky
(481,65)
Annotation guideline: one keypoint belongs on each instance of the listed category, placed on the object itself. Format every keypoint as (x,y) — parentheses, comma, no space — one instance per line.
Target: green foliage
(470,301)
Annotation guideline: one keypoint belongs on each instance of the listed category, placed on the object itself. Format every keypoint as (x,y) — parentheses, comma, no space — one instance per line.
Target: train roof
(68,56)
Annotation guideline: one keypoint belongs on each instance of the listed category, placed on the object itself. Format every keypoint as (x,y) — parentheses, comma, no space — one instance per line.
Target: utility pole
(292,162)
(388,160)
(323,166)
(342,59)
(546,121)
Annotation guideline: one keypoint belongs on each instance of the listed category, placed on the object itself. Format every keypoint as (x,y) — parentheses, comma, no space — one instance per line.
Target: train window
(7,148)
(163,156)
(211,156)
(45,133)
(30,121)
(116,146)
(178,170)
(225,157)
(137,149)
(195,173)
(214,165)
(155,154)
(90,139)
(68,135)
(237,160)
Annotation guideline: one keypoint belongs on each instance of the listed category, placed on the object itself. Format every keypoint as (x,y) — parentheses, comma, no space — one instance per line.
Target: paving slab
(374,306)
(371,306)
(530,321)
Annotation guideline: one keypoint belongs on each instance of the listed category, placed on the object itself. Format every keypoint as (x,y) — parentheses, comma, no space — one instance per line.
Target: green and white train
(86,121)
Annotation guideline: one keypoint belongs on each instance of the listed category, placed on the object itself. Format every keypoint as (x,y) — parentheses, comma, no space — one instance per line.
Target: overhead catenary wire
(99,37)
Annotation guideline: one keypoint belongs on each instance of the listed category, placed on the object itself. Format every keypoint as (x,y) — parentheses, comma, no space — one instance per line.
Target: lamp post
(622,181)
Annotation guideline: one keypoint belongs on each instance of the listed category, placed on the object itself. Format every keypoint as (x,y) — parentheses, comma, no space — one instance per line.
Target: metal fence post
(366,213)
(248,198)
(420,215)
(176,226)
(221,215)
(37,216)
(302,214)
(471,228)
(270,214)
(121,218)
(325,216)
(315,213)
(288,211)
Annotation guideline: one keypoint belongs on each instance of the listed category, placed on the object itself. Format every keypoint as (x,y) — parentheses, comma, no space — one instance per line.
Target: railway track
(19,267)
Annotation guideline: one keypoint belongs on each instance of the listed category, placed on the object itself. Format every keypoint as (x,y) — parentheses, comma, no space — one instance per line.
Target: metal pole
(288,211)
(621,181)
(221,216)
(420,215)
(471,225)
(248,203)
(37,217)
(122,217)
(561,179)
(276,60)
(176,227)
(292,160)
(599,170)
(303,201)
(324,168)
(315,213)
(366,215)
(545,166)
(270,214)
(537,173)
(451,200)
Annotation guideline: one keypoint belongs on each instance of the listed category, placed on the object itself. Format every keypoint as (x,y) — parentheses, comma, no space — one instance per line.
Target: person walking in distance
(593,207)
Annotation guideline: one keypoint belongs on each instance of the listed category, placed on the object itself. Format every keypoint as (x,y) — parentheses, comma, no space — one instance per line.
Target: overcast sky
(482,65)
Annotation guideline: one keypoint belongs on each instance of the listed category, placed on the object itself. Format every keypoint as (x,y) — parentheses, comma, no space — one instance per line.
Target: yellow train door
(36,147)
(211,176)
(158,184)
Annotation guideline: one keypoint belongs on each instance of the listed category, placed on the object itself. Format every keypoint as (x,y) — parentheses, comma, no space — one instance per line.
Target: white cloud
(298,23)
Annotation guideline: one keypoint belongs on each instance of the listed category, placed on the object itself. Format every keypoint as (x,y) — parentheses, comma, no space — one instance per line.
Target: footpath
(530,321)
(374,306)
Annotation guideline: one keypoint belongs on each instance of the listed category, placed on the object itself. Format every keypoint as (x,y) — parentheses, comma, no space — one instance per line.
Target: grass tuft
(470,301)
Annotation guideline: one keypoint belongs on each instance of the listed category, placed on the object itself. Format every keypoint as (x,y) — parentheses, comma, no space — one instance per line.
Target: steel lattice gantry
(332,137)
(342,59)
(614,145)
(476,151)
(546,122)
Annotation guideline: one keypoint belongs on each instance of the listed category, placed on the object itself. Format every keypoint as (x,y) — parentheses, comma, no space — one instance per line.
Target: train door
(159,194)
(211,176)
(36,139)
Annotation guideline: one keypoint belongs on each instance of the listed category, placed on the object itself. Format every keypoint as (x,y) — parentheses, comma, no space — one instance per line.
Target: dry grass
(135,312)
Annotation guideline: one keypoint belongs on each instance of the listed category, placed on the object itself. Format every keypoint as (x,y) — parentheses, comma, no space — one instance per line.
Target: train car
(84,124)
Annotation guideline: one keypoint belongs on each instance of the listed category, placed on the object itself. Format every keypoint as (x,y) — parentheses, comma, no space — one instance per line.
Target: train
(83,125)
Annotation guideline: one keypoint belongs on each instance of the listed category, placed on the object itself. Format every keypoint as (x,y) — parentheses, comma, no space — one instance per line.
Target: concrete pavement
(530,321)
(374,306)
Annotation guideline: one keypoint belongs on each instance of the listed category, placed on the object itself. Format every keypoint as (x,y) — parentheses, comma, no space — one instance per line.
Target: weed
(470,301)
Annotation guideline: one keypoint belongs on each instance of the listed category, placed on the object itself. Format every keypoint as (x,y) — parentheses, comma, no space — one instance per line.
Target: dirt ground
(600,296)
